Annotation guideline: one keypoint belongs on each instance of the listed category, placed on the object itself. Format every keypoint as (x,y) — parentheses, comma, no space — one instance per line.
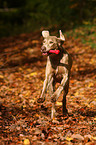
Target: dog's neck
(55,58)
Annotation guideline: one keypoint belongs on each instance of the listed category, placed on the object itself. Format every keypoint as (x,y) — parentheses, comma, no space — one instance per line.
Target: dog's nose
(43,48)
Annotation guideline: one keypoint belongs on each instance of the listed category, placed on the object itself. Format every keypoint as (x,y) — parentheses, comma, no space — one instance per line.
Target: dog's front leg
(57,94)
(60,88)
(51,85)
(45,86)
(44,89)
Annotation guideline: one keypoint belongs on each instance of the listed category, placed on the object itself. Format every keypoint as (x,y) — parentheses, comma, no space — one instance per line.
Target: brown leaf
(77,136)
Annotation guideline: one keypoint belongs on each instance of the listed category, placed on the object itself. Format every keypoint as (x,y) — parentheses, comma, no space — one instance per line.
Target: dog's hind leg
(53,111)
(64,99)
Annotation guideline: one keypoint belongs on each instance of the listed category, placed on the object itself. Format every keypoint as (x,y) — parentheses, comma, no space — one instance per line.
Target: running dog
(58,68)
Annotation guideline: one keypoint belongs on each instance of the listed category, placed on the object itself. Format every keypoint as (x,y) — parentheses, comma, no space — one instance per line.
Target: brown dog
(58,68)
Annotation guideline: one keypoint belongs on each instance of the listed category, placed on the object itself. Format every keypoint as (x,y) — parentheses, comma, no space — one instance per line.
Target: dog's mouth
(50,52)
(45,53)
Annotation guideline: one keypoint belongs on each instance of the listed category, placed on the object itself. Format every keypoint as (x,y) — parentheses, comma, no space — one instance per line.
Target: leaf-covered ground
(22,71)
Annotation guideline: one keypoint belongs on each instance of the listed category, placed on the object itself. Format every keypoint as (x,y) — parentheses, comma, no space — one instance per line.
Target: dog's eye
(51,42)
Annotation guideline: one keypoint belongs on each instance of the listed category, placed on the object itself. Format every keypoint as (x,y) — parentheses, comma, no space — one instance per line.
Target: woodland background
(29,15)
(22,71)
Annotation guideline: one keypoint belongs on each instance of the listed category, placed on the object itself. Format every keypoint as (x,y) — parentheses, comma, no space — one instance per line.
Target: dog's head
(51,43)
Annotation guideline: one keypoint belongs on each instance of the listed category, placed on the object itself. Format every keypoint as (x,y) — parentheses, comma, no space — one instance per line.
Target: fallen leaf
(88,136)
(35,41)
(1,76)
(95,119)
(94,137)
(33,74)
(69,138)
(26,142)
(77,93)
(59,103)
(77,136)
(90,84)
(37,131)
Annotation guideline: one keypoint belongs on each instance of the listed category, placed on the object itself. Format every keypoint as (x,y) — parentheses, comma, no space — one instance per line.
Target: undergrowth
(86,33)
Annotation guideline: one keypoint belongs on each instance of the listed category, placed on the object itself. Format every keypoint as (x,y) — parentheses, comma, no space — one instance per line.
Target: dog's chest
(57,67)
(60,69)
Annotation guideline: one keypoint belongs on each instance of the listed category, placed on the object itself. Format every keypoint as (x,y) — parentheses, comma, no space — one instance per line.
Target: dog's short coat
(57,69)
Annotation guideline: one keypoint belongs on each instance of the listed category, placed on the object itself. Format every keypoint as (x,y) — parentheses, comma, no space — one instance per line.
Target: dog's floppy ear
(61,36)
(61,39)
(45,33)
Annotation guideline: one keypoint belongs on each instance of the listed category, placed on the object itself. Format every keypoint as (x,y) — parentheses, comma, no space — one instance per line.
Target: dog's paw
(41,100)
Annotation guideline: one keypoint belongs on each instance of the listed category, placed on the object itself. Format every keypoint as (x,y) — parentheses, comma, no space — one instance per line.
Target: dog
(58,67)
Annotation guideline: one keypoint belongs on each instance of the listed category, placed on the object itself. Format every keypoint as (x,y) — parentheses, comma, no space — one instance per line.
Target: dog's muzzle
(43,50)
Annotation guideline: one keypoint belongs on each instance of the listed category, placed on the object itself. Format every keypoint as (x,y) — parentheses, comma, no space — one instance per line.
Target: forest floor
(22,72)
